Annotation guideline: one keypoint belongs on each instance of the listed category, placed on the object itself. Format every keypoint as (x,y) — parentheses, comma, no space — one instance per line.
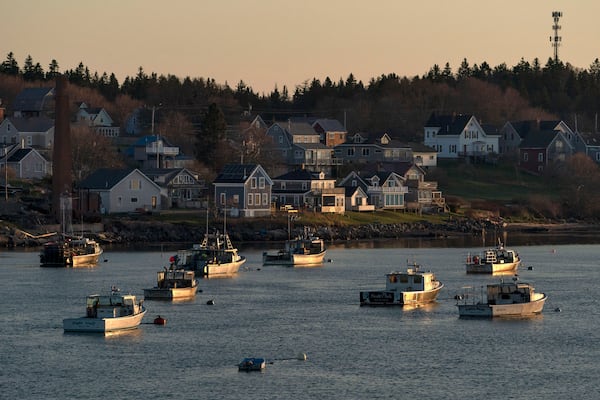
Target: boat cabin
(111,306)
(411,280)
(509,293)
(174,278)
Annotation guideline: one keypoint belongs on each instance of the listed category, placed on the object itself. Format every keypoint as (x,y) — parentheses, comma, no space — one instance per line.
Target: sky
(277,43)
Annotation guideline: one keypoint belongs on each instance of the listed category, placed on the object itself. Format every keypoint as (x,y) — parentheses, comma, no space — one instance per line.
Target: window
(304,185)
(541,157)
(261,182)
(135,184)
(366,152)
(253,183)
(257,199)
(222,198)
(265,199)
(236,199)
(525,157)
(282,185)
(250,198)
(350,152)
(134,199)
(280,139)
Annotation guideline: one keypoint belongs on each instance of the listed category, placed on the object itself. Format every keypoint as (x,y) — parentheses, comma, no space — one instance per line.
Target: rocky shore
(126,232)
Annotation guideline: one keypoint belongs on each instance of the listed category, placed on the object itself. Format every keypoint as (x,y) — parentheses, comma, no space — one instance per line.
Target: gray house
(123,190)
(27,163)
(244,190)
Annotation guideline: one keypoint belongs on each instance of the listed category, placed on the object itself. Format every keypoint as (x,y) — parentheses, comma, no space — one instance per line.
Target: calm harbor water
(279,312)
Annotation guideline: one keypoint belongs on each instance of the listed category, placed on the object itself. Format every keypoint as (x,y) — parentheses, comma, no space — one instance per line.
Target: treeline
(391,103)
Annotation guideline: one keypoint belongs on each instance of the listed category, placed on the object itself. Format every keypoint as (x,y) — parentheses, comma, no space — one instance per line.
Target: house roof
(449,124)
(590,138)
(32,99)
(105,178)
(300,128)
(328,125)
(523,128)
(235,173)
(168,173)
(539,139)
(32,124)
(19,154)
(298,175)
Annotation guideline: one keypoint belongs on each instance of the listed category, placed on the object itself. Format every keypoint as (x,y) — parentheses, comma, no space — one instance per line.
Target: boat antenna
(207,208)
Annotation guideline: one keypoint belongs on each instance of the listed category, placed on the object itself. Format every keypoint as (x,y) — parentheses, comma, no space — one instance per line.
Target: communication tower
(555,40)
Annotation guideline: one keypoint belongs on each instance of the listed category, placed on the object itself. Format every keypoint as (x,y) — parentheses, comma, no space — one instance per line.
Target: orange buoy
(160,321)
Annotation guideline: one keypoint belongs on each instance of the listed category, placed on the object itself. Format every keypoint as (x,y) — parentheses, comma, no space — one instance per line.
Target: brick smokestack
(62,162)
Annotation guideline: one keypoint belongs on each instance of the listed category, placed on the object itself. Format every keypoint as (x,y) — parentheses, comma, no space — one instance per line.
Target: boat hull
(495,268)
(214,270)
(103,325)
(502,310)
(394,298)
(308,259)
(170,293)
(85,260)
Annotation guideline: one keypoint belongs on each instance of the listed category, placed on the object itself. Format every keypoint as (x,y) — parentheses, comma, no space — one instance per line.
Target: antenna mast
(555,40)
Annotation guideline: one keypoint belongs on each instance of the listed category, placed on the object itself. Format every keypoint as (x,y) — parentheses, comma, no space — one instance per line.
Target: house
(26,162)
(123,190)
(357,198)
(331,131)
(300,146)
(542,148)
(513,133)
(589,144)
(34,102)
(154,151)
(98,119)
(180,188)
(302,188)
(35,132)
(422,195)
(459,136)
(386,190)
(364,148)
(245,189)
(423,156)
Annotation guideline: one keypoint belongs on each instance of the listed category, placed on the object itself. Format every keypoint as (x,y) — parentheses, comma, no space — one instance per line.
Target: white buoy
(301,356)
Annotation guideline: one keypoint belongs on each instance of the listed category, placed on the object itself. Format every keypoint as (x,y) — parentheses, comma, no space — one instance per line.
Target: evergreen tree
(211,136)
(10,65)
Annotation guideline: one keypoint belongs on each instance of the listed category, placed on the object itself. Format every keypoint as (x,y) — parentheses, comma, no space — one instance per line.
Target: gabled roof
(32,124)
(590,138)
(351,190)
(32,99)
(105,178)
(236,173)
(299,128)
(19,154)
(523,128)
(328,125)
(347,180)
(449,124)
(167,173)
(539,139)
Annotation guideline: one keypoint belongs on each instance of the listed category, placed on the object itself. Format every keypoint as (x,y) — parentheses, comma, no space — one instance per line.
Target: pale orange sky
(268,43)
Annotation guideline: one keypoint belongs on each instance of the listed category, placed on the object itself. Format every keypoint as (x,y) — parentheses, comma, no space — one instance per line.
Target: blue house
(244,190)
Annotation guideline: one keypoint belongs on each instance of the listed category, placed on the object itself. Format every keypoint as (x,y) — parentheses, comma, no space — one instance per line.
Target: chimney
(62,161)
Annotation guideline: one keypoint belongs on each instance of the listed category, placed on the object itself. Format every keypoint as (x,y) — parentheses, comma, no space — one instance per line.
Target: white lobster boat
(173,284)
(305,250)
(108,313)
(504,299)
(410,288)
(498,260)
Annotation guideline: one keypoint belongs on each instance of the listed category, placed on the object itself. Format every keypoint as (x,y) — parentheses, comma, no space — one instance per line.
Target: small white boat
(173,284)
(71,252)
(108,313)
(252,364)
(504,299)
(304,250)
(498,260)
(410,288)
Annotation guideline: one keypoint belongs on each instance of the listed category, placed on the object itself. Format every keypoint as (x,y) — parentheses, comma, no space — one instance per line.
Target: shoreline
(154,233)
